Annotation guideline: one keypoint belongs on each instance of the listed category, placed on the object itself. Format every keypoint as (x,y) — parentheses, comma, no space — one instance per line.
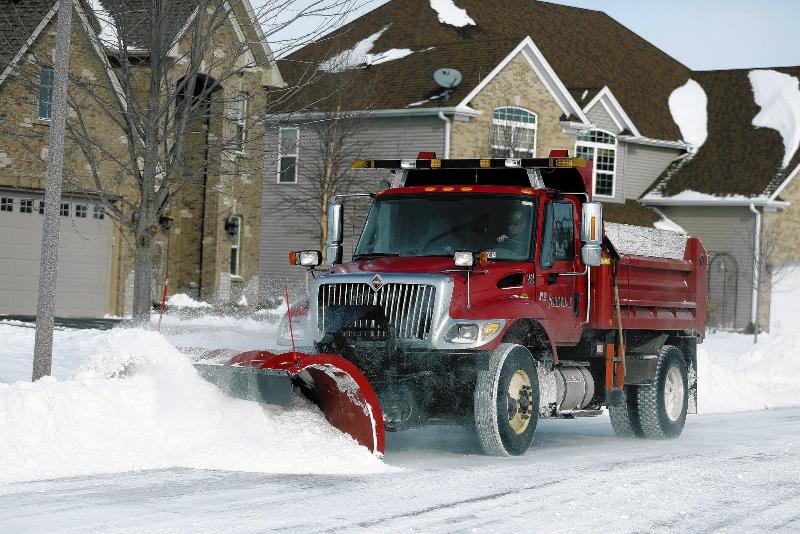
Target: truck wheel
(507,401)
(662,405)
(625,417)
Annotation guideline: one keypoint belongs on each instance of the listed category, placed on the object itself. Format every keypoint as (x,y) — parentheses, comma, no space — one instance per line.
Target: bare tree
(332,140)
(170,70)
(769,267)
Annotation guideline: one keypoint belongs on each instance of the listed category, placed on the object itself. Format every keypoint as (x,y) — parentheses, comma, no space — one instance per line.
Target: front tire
(507,401)
(662,405)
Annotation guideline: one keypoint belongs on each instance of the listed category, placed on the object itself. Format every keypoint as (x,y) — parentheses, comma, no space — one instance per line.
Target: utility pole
(48,272)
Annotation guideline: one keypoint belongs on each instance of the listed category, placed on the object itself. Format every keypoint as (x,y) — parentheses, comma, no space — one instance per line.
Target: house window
(64,210)
(99,212)
(513,133)
(234,229)
(241,115)
(26,206)
(601,148)
(41,207)
(81,210)
(288,141)
(45,92)
(6,204)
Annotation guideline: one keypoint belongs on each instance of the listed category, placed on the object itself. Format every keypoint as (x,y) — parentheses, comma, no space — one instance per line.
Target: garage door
(84,256)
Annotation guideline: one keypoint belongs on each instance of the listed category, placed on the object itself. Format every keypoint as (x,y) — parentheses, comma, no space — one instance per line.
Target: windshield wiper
(375,255)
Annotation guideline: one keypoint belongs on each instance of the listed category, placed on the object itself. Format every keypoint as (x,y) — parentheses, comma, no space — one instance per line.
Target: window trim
(515,124)
(295,155)
(237,246)
(594,146)
(242,100)
(52,72)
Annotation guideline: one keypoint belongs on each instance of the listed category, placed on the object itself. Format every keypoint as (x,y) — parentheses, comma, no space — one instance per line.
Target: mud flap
(333,383)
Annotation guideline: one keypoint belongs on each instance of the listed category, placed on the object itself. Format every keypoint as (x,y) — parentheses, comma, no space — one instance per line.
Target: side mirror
(591,233)
(334,247)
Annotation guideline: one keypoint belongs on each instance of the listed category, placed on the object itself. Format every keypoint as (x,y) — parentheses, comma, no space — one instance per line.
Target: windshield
(442,224)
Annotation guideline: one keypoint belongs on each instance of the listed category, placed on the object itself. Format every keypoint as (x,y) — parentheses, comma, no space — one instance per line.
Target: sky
(701,34)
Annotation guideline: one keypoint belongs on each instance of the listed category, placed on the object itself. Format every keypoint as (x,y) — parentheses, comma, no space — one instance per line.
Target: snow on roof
(778,94)
(389,55)
(667,224)
(632,240)
(108,26)
(360,55)
(354,57)
(688,105)
(451,14)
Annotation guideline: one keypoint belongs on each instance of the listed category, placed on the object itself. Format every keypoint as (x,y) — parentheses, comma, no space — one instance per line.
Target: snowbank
(451,14)
(640,241)
(735,375)
(688,105)
(778,94)
(182,300)
(137,403)
(783,303)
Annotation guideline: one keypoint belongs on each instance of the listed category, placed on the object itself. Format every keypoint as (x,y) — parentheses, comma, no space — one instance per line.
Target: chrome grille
(408,308)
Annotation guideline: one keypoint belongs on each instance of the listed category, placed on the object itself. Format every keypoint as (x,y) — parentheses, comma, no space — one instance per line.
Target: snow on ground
(689,107)
(783,303)
(135,402)
(778,95)
(127,400)
(735,375)
(451,14)
(640,241)
(182,300)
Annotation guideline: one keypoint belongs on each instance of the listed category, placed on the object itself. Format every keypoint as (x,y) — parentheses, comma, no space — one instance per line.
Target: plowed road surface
(736,473)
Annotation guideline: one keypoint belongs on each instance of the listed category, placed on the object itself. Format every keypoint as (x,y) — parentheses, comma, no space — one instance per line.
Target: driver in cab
(514,236)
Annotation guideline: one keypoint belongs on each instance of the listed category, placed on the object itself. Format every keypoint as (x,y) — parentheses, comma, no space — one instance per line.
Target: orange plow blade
(333,383)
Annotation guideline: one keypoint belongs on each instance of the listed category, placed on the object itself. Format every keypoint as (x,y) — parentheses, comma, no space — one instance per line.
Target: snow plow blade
(333,383)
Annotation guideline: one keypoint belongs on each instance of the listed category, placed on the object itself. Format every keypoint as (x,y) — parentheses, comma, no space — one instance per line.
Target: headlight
(306,258)
(463,258)
(464,333)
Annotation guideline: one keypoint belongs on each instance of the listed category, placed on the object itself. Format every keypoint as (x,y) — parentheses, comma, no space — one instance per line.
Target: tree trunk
(143,279)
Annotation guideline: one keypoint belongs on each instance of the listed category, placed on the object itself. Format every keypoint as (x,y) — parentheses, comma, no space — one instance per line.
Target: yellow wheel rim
(520,401)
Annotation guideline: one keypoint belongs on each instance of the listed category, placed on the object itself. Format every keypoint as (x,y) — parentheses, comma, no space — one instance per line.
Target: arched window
(601,148)
(513,133)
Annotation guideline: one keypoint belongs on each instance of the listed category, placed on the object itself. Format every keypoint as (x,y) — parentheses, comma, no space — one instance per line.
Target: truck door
(556,284)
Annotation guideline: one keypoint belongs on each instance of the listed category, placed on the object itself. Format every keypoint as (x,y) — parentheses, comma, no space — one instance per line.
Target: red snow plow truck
(490,292)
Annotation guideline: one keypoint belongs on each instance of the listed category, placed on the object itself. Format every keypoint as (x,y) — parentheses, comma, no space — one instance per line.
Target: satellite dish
(447,78)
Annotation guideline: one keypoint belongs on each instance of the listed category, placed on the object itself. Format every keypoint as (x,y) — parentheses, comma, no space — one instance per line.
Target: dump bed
(661,276)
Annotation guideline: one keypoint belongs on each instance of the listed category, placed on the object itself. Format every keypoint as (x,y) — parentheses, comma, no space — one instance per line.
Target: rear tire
(507,401)
(662,405)
(625,417)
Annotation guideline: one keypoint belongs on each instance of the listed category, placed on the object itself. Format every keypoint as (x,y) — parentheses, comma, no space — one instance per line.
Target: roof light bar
(408,164)
(513,162)
(485,163)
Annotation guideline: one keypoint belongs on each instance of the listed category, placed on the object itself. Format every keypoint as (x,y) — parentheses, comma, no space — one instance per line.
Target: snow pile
(778,95)
(689,107)
(735,375)
(108,26)
(632,240)
(182,300)
(137,403)
(451,14)
(389,55)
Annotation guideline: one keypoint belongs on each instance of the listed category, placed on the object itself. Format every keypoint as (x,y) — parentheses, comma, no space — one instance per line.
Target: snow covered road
(732,472)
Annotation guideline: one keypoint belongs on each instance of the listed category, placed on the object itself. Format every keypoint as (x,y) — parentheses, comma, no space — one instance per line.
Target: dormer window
(45,92)
(513,133)
(600,147)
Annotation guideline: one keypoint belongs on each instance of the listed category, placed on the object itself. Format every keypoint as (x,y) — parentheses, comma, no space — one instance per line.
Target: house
(532,77)
(208,240)
(738,185)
